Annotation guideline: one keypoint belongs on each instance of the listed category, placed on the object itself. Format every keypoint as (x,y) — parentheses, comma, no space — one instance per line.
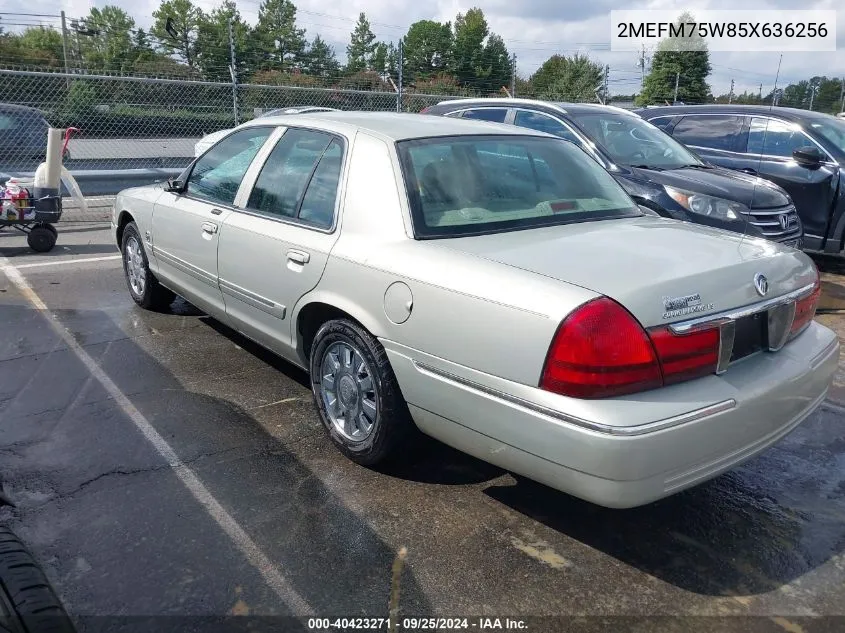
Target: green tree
(320,59)
(468,50)
(278,37)
(385,60)
(426,49)
(213,51)
(685,60)
(796,95)
(36,46)
(497,67)
(185,19)
(141,47)
(361,47)
(562,78)
(109,47)
(47,41)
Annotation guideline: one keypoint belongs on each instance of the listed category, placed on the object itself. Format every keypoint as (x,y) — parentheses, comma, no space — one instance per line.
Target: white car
(493,287)
(210,139)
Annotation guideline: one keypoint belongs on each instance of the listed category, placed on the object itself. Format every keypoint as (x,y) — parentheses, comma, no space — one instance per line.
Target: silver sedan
(491,287)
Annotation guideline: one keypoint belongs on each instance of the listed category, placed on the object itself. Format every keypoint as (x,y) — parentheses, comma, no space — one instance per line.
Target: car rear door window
(217,176)
(299,158)
(771,137)
(544,123)
(318,204)
(495,115)
(714,131)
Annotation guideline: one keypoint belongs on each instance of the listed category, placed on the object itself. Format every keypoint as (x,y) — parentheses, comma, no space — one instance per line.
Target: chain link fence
(138,122)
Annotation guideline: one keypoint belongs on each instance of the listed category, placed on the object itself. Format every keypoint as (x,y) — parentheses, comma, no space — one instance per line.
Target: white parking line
(257,558)
(79,260)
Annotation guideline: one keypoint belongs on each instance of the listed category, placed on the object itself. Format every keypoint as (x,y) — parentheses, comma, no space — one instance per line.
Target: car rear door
(275,245)
(186,226)
(768,153)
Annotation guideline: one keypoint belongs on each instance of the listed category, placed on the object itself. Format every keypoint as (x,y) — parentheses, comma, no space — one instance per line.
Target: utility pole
(842,97)
(642,68)
(64,49)
(812,95)
(233,71)
(605,96)
(760,94)
(513,75)
(64,41)
(401,53)
(731,93)
(677,81)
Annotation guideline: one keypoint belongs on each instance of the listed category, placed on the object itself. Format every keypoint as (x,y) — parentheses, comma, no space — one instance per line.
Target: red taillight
(805,309)
(601,350)
(686,356)
(424,110)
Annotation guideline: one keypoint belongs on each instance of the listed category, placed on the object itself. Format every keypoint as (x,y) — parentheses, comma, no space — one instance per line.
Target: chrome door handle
(299,257)
(210,228)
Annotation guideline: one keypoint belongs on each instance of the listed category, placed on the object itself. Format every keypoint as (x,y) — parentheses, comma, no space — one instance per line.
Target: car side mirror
(175,186)
(809,156)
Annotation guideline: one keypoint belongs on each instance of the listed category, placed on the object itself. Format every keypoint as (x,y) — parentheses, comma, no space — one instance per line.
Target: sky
(532,29)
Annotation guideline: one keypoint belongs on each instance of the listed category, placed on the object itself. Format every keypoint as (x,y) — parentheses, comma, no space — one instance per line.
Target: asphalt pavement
(162,465)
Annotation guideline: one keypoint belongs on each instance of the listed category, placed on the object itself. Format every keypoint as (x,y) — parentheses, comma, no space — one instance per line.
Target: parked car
(493,287)
(802,151)
(23,135)
(210,139)
(656,171)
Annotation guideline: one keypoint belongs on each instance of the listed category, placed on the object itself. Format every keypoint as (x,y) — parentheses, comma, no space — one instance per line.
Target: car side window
(318,204)
(217,176)
(662,122)
(293,163)
(7,122)
(775,138)
(544,123)
(713,131)
(495,115)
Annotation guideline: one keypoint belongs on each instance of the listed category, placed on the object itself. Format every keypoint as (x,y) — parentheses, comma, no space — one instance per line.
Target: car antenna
(763,144)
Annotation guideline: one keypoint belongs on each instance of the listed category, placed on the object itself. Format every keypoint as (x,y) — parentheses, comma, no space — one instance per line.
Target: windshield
(629,140)
(469,185)
(832,130)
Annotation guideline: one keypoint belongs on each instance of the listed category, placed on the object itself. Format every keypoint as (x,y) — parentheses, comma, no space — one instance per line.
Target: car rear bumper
(716,422)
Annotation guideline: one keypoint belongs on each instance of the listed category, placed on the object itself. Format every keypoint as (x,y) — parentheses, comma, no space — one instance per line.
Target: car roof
(565,107)
(19,109)
(394,126)
(793,114)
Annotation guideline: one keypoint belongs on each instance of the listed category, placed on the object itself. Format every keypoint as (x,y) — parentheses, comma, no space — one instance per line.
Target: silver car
(494,288)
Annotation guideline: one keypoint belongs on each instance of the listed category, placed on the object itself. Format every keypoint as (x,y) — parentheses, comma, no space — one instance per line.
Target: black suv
(657,172)
(802,151)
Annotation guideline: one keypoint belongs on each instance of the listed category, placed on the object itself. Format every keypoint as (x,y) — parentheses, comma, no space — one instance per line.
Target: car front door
(275,245)
(186,225)
(769,154)
(717,138)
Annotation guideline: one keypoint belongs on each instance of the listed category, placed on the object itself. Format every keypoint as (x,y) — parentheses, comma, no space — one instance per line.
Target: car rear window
(467,185)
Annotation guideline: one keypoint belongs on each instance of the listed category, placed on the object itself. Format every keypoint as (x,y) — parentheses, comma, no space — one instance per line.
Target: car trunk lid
(661,270)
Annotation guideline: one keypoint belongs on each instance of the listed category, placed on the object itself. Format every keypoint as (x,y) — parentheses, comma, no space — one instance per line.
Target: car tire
(392,425)
(41,239)
(28,603)
(143,286)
